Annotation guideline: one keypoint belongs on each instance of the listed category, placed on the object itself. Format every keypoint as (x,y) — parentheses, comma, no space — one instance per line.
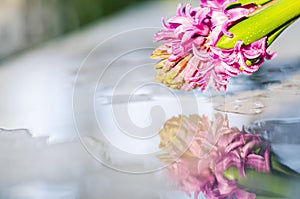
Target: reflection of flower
(190,58)
(203,150)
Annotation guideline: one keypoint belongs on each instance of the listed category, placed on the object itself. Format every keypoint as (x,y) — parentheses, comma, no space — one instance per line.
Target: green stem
(263,184)
(266,197)
(281,182)
(264,23)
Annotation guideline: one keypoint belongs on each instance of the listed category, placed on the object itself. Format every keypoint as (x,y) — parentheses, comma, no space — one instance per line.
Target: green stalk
(266,197)
(266,22)
(282,182)
(263,184)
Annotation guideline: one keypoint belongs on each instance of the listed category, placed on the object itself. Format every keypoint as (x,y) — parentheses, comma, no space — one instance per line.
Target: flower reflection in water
(208,151)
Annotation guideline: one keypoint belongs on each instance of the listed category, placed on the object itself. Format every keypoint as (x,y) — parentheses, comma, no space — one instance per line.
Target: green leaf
(278,167)
(272,36)
(266,22)
(246,2)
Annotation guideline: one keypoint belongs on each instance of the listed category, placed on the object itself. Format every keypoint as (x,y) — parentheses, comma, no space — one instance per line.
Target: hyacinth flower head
(219,39)
(223,162)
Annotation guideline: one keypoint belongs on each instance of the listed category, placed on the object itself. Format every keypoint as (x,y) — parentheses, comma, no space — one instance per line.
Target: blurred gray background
(26,23)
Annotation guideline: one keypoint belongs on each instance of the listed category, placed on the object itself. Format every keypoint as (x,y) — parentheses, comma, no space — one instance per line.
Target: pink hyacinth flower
(190,58)
(243,58)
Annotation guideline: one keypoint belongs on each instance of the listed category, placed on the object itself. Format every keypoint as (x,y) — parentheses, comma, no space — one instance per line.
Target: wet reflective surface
(89,124)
